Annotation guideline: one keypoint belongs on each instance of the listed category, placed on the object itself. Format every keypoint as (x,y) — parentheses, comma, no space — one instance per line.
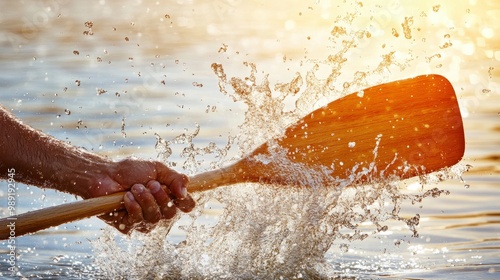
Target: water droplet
(395,33)
(67,111)
(56,259)
(101,91)
(407,27)
(344,248)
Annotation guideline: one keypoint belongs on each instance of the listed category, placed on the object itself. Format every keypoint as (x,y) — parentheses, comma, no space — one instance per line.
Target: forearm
(43,161)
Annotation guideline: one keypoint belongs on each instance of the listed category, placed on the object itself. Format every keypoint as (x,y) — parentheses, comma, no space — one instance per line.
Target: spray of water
(252,231)
(260,231)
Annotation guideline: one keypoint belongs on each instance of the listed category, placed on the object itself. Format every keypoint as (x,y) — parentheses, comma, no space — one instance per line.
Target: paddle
(399,129)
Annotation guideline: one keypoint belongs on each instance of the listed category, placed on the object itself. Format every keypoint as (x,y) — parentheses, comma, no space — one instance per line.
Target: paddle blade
(403,128)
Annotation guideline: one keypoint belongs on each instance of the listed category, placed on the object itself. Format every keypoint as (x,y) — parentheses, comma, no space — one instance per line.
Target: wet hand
(155,192)
(145,206)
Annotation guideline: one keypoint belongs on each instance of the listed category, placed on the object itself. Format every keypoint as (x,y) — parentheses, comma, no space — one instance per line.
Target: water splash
(261,231)
(258,231)
(191,152)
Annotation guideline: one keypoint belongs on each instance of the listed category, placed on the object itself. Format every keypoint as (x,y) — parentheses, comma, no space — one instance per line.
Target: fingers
(176,182)
(185,204)
(147,203)
(141,211)
(145,206)
(133,208)
(166,206)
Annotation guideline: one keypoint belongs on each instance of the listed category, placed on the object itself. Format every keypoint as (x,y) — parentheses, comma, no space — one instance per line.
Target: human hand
(155,192)
(47,162)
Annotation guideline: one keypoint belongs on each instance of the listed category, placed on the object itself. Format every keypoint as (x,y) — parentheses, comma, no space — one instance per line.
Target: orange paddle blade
(403,128)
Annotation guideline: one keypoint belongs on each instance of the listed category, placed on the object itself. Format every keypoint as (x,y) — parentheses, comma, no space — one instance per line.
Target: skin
(154,192)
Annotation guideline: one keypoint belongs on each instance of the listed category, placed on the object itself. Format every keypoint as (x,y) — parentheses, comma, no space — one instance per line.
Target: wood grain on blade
(405,128)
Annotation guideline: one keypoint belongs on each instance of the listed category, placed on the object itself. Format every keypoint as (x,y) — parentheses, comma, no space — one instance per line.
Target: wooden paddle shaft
(33,221)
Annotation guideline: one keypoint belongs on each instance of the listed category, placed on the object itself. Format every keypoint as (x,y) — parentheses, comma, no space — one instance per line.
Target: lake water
(113,76)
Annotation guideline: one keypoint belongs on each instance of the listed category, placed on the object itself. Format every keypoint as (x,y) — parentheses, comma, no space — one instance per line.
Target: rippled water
(112,77)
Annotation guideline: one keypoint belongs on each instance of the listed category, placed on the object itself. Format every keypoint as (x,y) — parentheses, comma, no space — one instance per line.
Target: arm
(43,161)
(46,162)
